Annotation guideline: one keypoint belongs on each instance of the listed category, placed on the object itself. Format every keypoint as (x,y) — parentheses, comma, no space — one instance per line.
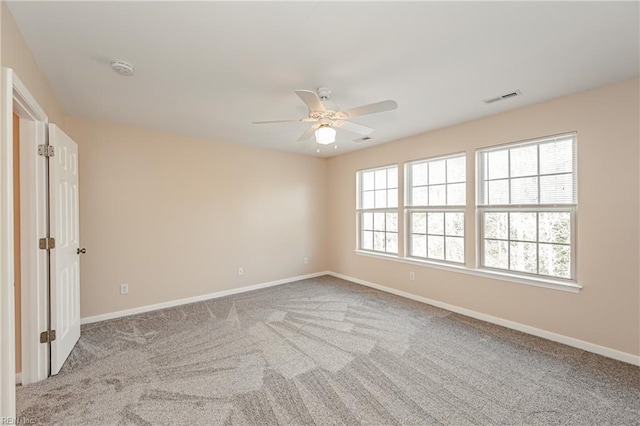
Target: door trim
(16,98)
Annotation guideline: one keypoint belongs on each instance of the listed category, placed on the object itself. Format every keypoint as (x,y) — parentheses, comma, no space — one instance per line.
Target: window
(436,200)
(526,206)
(378,209)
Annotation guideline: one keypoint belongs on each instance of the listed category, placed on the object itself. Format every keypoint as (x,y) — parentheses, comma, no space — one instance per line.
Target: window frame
(527,209)
(361,210)
(410,208)
(571,208)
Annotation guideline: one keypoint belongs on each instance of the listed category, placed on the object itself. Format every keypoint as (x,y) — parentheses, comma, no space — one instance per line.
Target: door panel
(65,264)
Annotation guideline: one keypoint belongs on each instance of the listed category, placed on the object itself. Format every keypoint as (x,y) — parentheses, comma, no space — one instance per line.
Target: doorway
(39,287)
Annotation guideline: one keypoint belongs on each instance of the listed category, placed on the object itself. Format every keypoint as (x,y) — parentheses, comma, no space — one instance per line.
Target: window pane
(419,196)
(419,223)
(367,181)
(499,192)
(555,227)
(435,223)
(496,254)
(542,173)
(378,221)
(498,164)
(381,198)
(367,221)
(381,179)
(524,257)
(437,172)
(523,226)
(435,247)
(378,241)
(524,191)
(437,195)
(419,174)
(556,157)
(456,194)
(556,189)
(392,222)
(392,177)
(419,245)
(392,242)
(495,225)
(456,169)
(454,224)
(455,249)
(524,161)
(392,198)
(378,228)
(367,200)
(539,173)
(555,260)
(367,240)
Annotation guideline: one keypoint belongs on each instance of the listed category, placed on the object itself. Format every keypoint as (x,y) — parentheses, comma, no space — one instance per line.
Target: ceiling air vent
(362,139)
(503,97)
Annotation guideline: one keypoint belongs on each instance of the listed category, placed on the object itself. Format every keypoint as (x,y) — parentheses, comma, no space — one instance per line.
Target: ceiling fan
(327,116)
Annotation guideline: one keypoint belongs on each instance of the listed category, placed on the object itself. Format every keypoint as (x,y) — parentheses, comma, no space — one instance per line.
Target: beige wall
(606,311)
(265,210)
(17,55)
(175,217)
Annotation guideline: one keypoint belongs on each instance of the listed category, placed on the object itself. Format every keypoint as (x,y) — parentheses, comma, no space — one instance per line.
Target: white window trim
(492,274)
(571,209)
(482,207)
(408,233)
(360,210)
(409,208)
(360,230)
(535,280)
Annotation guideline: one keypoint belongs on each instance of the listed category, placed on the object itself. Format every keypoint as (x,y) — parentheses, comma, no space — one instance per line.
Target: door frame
(34,268)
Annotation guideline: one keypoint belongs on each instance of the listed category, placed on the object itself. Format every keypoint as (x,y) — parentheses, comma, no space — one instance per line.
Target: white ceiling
(209,69)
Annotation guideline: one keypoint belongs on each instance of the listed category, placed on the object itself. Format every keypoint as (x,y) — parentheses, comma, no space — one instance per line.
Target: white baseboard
(569,341)
(18,378)
(171,303)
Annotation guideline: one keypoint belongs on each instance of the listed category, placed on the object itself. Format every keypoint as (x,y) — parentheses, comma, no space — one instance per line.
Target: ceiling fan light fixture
(325,135)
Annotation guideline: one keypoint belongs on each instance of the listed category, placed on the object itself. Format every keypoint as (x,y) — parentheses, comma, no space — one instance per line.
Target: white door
(65,264)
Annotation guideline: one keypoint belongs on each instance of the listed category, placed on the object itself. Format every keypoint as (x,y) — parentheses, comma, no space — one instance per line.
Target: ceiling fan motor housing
(324,92)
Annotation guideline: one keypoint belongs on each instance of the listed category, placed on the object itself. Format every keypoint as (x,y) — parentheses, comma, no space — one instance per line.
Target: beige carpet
(326,351)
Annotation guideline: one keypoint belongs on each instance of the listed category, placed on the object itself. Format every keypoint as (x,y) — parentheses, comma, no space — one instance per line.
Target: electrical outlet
(124,288)
(305,261)
(412,276)
(240,271)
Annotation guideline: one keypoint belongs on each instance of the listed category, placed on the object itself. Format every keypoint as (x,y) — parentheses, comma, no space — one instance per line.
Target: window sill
(537,282)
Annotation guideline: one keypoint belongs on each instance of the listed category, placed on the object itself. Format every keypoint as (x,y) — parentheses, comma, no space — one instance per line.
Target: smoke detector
(122,68)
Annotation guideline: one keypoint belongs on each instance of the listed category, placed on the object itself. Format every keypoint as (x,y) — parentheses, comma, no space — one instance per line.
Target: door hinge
(47,336)
(46,150)
(47,243)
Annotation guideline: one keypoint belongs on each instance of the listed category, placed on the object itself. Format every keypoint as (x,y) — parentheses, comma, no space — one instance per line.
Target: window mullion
(538,242)
(509,240)
(538,169)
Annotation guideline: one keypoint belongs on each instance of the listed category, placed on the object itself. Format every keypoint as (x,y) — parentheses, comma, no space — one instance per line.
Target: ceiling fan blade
(300,120)
(371,108)
(308,133)
(352,127)
(312,100)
